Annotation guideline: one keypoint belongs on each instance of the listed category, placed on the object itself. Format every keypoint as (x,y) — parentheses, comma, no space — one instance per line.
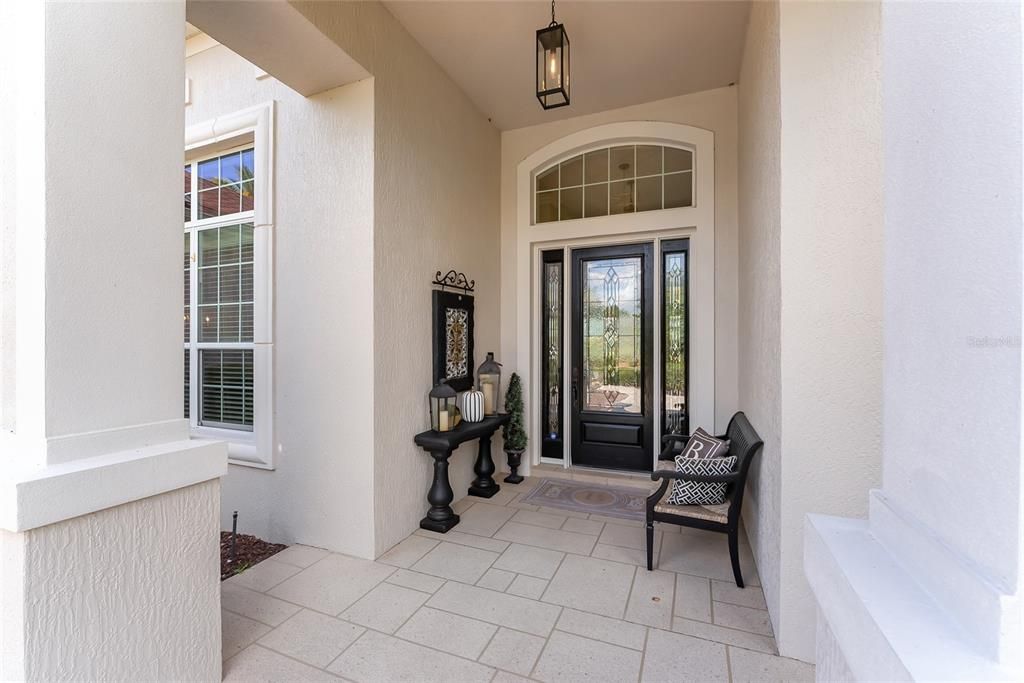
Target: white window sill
(243,447)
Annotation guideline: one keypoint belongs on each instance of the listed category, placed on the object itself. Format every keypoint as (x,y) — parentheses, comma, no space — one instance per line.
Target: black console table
(440,445)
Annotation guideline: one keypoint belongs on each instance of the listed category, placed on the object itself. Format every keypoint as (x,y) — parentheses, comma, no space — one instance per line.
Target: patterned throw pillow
(703,445)
(700,493)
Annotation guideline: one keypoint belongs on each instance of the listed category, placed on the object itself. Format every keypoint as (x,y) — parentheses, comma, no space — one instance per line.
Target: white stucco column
(108,512)
(929,587)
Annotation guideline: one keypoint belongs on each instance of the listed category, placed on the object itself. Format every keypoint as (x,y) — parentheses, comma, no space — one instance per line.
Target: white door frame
(696,222)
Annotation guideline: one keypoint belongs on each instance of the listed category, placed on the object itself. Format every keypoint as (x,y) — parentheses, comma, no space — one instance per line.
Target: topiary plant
(513,432)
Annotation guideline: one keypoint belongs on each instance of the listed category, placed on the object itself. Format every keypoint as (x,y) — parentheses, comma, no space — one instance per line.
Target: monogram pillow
(703,445)
(700,493)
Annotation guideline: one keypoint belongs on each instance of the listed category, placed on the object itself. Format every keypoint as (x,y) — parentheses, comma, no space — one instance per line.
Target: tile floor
(513,593)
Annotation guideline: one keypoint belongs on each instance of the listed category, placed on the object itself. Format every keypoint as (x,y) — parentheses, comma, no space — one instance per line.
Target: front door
(611,375)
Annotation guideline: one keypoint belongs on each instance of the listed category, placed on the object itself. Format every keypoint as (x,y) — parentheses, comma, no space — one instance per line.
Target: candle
(442,421)
(488,398)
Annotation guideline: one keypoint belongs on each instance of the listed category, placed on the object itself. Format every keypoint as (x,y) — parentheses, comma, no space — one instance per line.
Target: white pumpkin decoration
(473,406)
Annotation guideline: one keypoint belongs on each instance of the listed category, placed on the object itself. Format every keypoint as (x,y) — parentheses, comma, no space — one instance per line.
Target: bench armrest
(695,478)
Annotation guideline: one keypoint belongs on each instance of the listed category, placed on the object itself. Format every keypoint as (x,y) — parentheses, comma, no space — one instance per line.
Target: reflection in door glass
(674,297)
(612,334)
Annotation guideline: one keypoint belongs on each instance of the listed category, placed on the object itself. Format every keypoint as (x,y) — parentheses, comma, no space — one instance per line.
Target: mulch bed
(249,550)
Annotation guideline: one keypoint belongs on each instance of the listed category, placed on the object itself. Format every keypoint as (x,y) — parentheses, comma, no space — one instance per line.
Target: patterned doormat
(612,501)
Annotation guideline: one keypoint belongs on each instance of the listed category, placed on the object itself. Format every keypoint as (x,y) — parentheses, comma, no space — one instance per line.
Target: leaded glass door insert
(551,346)
(675,336)
(611,373)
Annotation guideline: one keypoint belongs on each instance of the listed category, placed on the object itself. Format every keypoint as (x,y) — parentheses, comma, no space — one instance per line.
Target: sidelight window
(675,336)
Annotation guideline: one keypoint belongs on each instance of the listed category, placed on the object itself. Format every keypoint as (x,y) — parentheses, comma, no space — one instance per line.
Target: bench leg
(650,545)
(734,554)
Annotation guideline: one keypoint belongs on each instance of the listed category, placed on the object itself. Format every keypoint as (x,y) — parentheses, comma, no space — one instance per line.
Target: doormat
(579,496)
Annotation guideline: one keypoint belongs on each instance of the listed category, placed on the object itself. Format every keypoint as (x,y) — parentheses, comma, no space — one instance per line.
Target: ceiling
(623,52)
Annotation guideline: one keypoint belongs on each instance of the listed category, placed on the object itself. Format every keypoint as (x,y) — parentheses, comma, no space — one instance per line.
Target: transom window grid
(615,180)
(219,290)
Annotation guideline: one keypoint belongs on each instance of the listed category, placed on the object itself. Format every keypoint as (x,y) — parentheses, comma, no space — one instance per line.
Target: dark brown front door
(612,381)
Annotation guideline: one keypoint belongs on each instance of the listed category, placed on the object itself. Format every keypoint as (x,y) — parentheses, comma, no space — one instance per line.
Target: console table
(440,445)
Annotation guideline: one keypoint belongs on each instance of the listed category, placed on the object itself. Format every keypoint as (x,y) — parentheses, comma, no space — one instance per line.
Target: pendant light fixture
(553,64)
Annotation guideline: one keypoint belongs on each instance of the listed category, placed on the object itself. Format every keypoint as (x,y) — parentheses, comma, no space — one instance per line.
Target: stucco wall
(150,611)
(811,282)
(953,363)
(831,268)
(94,300)
(320,492)
(410,172)
(760,374)
(713,110)
(436,207)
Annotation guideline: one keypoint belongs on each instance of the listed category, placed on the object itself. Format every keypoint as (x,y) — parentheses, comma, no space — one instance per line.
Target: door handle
(575,387)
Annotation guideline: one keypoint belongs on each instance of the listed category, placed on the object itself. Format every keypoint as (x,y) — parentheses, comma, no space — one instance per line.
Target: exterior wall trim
(55,493)
(696,222)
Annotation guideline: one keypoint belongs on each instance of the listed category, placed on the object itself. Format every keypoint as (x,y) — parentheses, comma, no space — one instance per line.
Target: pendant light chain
(553,22)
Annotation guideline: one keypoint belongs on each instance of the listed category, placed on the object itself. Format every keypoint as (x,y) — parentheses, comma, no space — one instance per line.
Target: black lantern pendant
(553,64)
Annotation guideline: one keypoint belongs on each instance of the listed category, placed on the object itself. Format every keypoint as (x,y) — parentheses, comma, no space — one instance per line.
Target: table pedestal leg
(440,517)
(484,485)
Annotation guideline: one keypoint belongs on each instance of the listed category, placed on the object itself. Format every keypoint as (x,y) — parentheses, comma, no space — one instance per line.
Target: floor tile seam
(728,662)
(322,668)
(503,626)
(541,526)
(299,661)
(592,640)
(500,626)
(239,614)
(730,628)
(743,630)
(268,588)
(464,583)
(643,655)
(366,629)
(735,604)
(541,547)
(605,642)
(465,545)
(418,590)
(483,650)
(775,653)
(543,649)
(413,642)
(629,597)
(291,564)
(709,578)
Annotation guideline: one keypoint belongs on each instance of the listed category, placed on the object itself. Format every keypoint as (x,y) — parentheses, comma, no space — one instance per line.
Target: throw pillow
(703,445)
(700,493)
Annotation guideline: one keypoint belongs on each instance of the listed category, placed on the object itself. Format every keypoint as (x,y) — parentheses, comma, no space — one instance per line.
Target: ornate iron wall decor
(454,280)
(453,330)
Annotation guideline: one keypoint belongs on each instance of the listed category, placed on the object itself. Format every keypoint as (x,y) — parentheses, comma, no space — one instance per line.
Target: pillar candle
(488,398)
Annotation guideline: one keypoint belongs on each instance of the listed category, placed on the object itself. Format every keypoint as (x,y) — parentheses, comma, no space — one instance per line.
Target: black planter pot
(514,458)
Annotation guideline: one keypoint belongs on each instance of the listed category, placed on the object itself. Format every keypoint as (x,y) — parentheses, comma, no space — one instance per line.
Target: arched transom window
(614,180)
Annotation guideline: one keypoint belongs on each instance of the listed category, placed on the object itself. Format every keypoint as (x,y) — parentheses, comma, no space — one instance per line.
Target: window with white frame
(614,180)
(219,274)
(228,280)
